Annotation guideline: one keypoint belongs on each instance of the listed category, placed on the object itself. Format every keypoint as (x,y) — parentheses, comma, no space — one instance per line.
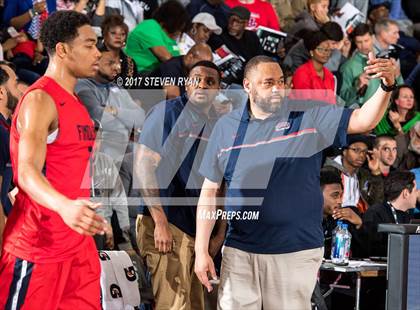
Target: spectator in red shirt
(313,74)
(262,13)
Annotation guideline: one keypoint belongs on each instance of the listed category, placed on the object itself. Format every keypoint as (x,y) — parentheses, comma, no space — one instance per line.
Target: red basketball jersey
(33,232)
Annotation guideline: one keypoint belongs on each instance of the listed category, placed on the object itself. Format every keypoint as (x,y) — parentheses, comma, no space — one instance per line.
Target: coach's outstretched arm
(368,116)
(37,116)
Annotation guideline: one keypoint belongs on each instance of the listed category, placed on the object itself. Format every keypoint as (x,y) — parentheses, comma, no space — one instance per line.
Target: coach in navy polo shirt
(269,153)
(9,96)
(172,144)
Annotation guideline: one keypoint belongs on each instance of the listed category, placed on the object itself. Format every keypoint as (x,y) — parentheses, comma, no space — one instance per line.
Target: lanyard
(394,213)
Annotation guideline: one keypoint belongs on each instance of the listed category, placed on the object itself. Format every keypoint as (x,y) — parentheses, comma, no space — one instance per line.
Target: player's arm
(206,206)
(146,162)
(368,116)
(38,116)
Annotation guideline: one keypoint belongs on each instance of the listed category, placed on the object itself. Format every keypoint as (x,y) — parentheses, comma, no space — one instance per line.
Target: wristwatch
(389,89)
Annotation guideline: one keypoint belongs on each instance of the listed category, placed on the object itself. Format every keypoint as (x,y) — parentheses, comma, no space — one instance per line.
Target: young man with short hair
(49,257)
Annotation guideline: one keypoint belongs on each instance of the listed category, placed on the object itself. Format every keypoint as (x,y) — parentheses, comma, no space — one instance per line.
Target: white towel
(126,276)
(111,291)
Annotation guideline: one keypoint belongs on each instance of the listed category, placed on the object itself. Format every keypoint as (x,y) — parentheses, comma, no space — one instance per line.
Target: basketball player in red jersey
(49,260)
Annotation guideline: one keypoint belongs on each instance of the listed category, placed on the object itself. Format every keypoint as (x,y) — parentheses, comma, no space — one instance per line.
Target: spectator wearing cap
(236,38)
(153,41)
(340,45)
(216,8)
(350,163)
(178,68)
(114,32)
(203,25)
(313,75)
(262,13)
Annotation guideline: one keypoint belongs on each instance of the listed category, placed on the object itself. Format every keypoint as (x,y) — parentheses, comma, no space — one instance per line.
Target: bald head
(199,52)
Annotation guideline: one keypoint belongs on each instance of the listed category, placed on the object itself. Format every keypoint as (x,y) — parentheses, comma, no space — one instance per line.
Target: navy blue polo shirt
(273,166)
(5,163)
(179,132)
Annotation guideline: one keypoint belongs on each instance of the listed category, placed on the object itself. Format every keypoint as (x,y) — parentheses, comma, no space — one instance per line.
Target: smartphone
(13,32)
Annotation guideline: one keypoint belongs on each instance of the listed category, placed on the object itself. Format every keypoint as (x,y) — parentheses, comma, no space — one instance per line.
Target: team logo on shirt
(282,126)
(115,291)
(130,274)
(104,256)
(86,132)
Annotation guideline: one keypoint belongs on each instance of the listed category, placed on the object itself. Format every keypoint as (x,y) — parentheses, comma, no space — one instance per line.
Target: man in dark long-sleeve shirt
(400,196)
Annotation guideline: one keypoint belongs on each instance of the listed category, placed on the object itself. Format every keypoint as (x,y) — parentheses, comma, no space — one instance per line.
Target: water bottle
(338,249)
(347,243)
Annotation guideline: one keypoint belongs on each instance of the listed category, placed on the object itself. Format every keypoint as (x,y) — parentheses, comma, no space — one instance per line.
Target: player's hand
(386,69)
(80,216)
(347,214)
(163,238)
(202,267)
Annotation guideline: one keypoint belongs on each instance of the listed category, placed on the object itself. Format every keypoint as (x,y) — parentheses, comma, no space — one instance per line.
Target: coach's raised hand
(381,68)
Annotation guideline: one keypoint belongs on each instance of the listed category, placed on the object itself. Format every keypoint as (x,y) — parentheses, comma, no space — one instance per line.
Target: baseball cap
(207,20)
(359,138)
(241,12)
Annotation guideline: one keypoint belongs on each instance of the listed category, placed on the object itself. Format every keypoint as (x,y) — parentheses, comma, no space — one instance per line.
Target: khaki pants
(175,285)
(275,282)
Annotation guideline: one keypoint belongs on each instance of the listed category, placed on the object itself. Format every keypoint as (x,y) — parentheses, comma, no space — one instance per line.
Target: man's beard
(104,76)
(265,104)
(12,101)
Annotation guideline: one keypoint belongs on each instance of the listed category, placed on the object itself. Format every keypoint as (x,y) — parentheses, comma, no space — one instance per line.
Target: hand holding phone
(12,32)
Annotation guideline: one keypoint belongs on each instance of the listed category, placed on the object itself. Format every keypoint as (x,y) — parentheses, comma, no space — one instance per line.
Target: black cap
(241,12)
(360,138)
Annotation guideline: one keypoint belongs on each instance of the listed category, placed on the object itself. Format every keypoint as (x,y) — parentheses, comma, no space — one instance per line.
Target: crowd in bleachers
(321,60)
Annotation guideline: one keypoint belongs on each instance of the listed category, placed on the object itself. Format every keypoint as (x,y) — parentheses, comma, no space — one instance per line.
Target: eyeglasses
(324,50)
(359,151)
